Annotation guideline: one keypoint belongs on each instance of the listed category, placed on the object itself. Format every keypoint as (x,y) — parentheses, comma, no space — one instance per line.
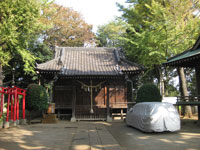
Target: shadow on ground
(188,138)
(96,136)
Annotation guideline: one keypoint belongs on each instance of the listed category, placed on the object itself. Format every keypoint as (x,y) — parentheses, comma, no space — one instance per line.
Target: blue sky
(95,12)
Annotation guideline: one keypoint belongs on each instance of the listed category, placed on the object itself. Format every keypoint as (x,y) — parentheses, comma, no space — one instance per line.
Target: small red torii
(12,104)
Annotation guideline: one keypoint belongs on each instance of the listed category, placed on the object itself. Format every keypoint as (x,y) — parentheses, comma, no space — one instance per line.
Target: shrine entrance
(91,101)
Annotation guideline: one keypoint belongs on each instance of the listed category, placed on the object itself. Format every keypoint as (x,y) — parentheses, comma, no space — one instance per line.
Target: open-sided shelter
(89,82)
(189,59)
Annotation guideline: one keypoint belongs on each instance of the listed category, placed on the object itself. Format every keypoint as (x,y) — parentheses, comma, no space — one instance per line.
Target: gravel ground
(96,136)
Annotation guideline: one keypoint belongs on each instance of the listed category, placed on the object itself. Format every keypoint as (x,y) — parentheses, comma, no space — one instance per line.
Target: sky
(95,12)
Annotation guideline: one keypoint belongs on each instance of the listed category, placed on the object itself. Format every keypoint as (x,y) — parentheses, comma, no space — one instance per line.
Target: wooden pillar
(17,111)
(23,106)
(15,107)
(73,119)
(51,92)
(109,118)
(197,71)
(122,114)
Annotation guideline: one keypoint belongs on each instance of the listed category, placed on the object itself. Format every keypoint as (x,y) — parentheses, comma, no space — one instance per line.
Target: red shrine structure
(10,100)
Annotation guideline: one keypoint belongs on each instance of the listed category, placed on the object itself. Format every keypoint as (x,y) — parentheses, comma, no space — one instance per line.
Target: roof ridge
(87,48)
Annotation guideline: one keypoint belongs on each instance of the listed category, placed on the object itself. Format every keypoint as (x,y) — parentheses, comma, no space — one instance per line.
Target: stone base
(49,118)
(23,121)
(17,122)
(6,125)
(109,119)
(73,119)
(11,123)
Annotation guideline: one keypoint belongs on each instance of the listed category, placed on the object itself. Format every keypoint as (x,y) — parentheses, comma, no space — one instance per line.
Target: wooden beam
(73,119)
(109,118)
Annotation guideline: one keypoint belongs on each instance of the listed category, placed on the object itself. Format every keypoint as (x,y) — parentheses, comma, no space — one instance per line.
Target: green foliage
(19,23)
(157,29)
(3,115)
(42,53)
(36,98)
(148,93)
(110,35)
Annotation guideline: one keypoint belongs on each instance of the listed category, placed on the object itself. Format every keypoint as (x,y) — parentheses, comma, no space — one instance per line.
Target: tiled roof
(188,58)
(89,61)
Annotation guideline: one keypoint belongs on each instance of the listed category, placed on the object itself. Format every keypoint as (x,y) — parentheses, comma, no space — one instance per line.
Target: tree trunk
(184,91)
(1,75)
(161,80)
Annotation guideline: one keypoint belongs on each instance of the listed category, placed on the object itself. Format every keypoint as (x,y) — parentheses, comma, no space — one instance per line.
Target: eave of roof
(184,55)
(187,58)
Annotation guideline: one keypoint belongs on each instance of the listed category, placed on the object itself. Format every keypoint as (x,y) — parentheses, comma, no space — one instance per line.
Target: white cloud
(95,12)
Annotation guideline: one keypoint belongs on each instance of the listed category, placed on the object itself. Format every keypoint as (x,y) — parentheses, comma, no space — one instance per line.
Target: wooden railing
(83,112)
(188,100)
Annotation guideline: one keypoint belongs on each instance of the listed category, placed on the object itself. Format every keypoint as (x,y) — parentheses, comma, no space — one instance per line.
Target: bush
(36,98)
(148,93)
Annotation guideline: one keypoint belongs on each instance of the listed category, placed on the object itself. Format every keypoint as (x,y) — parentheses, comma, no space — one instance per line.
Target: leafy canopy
(157,29)
(67,27)
(109,35)
(19,23)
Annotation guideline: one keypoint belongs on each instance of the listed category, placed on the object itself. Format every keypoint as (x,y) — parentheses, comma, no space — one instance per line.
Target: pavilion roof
(189,58)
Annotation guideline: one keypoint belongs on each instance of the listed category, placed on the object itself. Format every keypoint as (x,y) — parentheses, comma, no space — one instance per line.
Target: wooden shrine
(89,83)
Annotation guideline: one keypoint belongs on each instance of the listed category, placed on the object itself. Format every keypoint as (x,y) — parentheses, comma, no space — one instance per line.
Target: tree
(15,74)
(109,35)
(157,30)
(67,27)
(148,93)
(19,23)
(36,98)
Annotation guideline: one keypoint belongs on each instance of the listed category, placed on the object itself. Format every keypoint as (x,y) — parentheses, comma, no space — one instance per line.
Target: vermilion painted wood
(23,107)
(2,101)
(17,107)
(8,106)
(13,99)
(11,108)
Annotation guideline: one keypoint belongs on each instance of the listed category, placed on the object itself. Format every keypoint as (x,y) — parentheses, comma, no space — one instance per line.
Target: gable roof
(71,61)
(188,58)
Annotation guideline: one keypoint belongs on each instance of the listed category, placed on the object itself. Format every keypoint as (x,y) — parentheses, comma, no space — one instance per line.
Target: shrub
(36,98)
(148,93)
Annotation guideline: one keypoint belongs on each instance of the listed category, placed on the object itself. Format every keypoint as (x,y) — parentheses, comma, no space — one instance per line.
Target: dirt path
(132,139)
(62,136)
(96,136)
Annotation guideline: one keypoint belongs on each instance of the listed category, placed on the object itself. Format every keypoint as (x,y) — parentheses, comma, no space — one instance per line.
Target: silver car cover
(153,117)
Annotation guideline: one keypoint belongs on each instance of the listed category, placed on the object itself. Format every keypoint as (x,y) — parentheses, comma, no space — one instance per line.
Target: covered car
(153,117)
